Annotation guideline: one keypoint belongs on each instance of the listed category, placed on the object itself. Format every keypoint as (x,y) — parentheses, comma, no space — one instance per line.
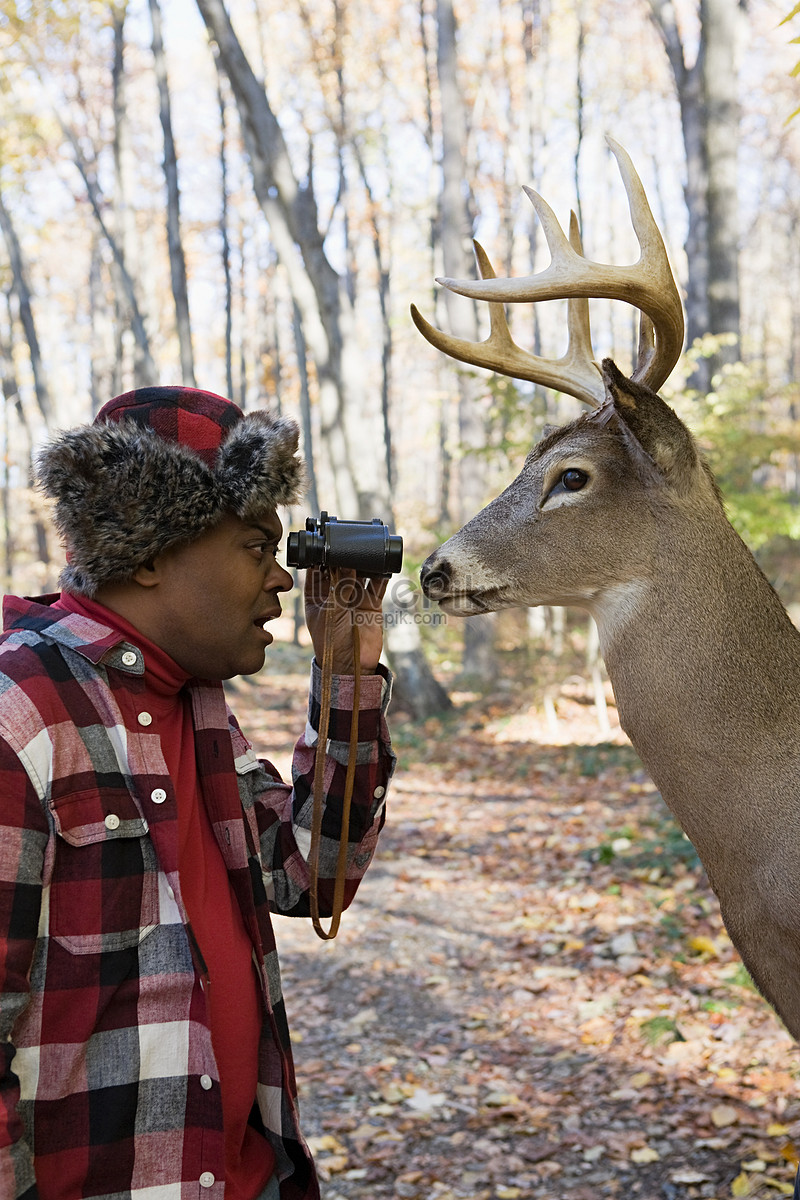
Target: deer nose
(435,577)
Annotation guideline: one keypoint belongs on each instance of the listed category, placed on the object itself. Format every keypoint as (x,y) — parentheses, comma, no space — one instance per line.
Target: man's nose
(285,582)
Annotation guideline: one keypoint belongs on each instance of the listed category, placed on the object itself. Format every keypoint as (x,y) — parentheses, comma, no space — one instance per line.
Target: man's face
(213,596)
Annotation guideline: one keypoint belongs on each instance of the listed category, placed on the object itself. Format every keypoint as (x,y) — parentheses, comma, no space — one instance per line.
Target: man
(145,1051)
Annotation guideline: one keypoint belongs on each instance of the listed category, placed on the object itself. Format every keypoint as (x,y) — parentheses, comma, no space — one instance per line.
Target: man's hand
(356,599)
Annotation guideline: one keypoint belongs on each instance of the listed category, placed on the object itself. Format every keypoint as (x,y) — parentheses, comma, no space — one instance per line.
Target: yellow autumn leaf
(704,945)
(775,1129)
(645,1154)
(508,1193)
(335,1164)
(325,1142)
(789,1152)
(741,1185)
(640,1079)
(780,1185)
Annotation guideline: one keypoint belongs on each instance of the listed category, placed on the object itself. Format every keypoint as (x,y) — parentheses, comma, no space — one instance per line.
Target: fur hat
(159,466)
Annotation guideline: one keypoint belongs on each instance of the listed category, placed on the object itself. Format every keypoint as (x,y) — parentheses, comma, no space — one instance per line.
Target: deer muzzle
(434,577)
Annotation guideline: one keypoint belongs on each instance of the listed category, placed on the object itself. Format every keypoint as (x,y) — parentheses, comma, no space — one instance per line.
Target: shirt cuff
(375,693)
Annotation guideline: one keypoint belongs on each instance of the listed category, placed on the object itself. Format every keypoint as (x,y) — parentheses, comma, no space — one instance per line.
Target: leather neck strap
(319,773)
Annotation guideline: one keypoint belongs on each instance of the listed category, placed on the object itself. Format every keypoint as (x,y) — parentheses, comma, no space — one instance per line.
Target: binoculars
(366,546)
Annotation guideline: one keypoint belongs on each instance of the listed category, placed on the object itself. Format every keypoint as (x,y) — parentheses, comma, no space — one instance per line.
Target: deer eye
(574,479)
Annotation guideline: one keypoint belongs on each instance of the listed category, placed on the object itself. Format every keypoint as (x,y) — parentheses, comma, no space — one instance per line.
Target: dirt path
(533,995)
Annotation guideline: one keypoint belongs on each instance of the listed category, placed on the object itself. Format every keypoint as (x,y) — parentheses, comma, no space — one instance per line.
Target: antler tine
(575,373)
(648,284)
(647,348)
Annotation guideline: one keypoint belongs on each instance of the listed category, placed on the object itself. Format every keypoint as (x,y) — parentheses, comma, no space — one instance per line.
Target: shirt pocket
(104,884)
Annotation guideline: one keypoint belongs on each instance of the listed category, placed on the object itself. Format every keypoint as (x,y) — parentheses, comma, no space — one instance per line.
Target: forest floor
(533,995)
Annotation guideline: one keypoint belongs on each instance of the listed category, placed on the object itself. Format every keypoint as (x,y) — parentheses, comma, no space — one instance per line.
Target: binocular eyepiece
(366,546)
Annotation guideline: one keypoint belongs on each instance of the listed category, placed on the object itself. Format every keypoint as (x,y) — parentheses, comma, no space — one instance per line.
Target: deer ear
(653,424)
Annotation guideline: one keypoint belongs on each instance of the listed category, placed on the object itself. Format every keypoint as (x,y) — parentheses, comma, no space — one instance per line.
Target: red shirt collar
(163,675)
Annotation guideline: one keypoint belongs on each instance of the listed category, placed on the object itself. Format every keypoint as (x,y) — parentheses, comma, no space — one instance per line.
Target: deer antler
(648,285)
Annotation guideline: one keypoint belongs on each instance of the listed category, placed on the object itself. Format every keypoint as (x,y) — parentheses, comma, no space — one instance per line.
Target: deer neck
(705,666)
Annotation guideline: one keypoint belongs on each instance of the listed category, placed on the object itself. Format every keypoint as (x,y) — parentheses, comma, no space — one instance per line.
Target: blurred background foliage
(249,193)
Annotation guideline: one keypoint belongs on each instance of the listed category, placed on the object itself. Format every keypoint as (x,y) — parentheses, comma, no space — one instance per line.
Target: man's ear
(149,574)
(655,427)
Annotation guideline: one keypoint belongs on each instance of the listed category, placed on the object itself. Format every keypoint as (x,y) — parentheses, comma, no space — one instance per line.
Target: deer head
(582,518)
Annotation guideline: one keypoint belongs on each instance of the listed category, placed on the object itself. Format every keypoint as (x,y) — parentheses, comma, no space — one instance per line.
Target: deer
(618,513)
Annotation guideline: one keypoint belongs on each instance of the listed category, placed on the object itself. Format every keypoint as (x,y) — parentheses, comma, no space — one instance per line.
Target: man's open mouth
(270,616)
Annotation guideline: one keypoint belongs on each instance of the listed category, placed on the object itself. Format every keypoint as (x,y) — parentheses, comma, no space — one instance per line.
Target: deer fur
(703,659)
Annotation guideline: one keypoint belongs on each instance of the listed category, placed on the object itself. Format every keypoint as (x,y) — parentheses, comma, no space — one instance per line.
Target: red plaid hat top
(199,420)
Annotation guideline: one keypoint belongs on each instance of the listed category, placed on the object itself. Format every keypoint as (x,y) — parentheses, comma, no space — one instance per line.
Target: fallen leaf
(593,1153)
(724,1114)
(501,1100)
(689,1175)
(741,1185)
(325,1142)
(789,1152)
(333,1165)
(704,945)
(645,1154)
(775,1129)
(424,1101)
(508,1193)
(364,1133)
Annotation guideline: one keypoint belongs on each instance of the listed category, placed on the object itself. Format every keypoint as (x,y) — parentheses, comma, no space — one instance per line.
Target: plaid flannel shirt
(108,1083)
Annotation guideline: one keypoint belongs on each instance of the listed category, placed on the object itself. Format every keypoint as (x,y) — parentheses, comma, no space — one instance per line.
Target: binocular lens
(365,546)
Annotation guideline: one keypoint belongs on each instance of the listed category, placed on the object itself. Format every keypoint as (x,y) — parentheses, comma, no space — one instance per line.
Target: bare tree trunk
(305,408)
(384,300)
(445,515)
(22,294)
(148,369)
(579,114)
(720,22)
(291,211)
(225,240)
(243,323)
(455,235)
(709,110)
(12,395)
(177,261)
(328,322)
(121,240)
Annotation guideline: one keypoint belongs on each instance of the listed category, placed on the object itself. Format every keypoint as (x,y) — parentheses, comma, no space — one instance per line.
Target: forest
(247,196)
(253,195)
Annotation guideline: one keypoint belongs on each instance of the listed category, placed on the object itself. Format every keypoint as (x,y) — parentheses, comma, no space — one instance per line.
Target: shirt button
(206,1082)
(378,792)
(129,659)
(144,718)
(158,795)
(206,1179)
(112,821)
